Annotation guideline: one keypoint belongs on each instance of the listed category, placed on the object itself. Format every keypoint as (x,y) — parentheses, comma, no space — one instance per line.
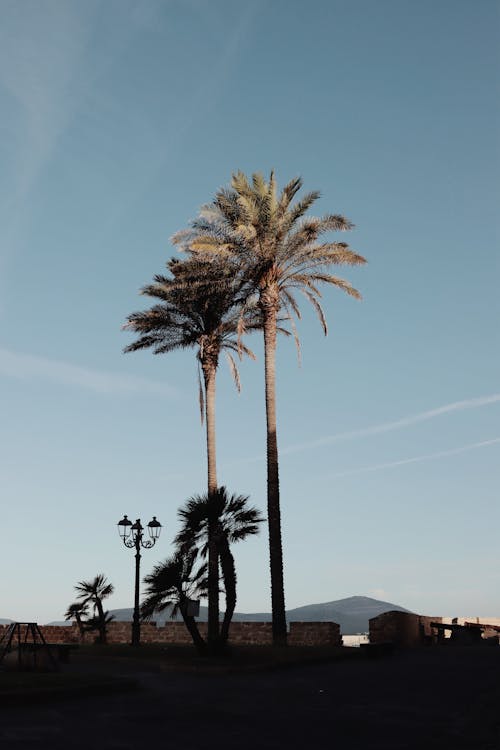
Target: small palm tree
(172,585)
(78,611)
(206,316)
(96,622)
(93,592)
(232,520)
(275,250)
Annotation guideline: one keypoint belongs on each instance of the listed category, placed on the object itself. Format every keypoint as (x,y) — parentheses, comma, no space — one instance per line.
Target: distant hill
(352,614)
(5,622)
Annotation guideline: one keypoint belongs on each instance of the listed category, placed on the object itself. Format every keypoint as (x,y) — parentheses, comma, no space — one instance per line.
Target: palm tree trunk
(209,373)
(269,306)
(102,621)
(80,625)
(192,628)
(229,576)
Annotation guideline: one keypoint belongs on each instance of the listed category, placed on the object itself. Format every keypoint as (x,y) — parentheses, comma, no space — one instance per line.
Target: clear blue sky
(118,120)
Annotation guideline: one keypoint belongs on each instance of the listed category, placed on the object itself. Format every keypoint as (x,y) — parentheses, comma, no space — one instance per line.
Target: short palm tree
(172,585)
(276,250)
(233,520)
(78,611)
(207,316)
(93,592)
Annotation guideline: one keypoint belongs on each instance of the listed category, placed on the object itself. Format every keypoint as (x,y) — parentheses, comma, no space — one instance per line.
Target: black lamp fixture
(132,536)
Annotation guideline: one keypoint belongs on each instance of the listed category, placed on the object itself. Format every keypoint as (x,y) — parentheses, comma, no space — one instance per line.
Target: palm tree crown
(235,519)
(171,585)
(97,589)
(199,307)
(270,242)
(229,519)
(94,592)
(78,611)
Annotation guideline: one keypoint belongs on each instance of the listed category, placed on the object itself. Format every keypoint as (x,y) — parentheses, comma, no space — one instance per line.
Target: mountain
(3,621)
(352,614)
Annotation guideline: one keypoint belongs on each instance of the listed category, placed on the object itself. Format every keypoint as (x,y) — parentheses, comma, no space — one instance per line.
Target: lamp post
(132,536)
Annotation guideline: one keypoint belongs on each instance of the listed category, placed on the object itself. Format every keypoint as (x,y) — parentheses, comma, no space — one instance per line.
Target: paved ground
(446,698)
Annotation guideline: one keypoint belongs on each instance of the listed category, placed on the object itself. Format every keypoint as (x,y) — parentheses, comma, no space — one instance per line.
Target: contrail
(471,403)
(415,459)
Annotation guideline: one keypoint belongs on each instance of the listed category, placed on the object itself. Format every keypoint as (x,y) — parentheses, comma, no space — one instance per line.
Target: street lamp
(132,536)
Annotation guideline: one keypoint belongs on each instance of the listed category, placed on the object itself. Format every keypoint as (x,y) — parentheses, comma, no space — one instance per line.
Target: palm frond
(289,300)
(239,348)
(346,286)
(288,193)
(319,310)
(336,223)
(297,211)
(234,371)
(328,253)
(259,185)
(295,334)
(240,184)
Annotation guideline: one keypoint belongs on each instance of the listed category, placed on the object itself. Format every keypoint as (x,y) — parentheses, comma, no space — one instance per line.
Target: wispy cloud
(424,416)
(40,47)
(415,459)
(29,367)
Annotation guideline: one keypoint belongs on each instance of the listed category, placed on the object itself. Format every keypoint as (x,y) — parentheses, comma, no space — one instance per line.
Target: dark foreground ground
(430,698)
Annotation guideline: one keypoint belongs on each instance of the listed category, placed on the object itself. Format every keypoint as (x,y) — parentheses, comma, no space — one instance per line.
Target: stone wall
(402,628)
(314,634)
(247,633)
(406,629)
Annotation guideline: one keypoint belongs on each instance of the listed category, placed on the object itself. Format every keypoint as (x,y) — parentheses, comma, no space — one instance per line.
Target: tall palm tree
(78,611)
(276,250)
(207,316)
(233,520)
(94,592)
(172,585)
